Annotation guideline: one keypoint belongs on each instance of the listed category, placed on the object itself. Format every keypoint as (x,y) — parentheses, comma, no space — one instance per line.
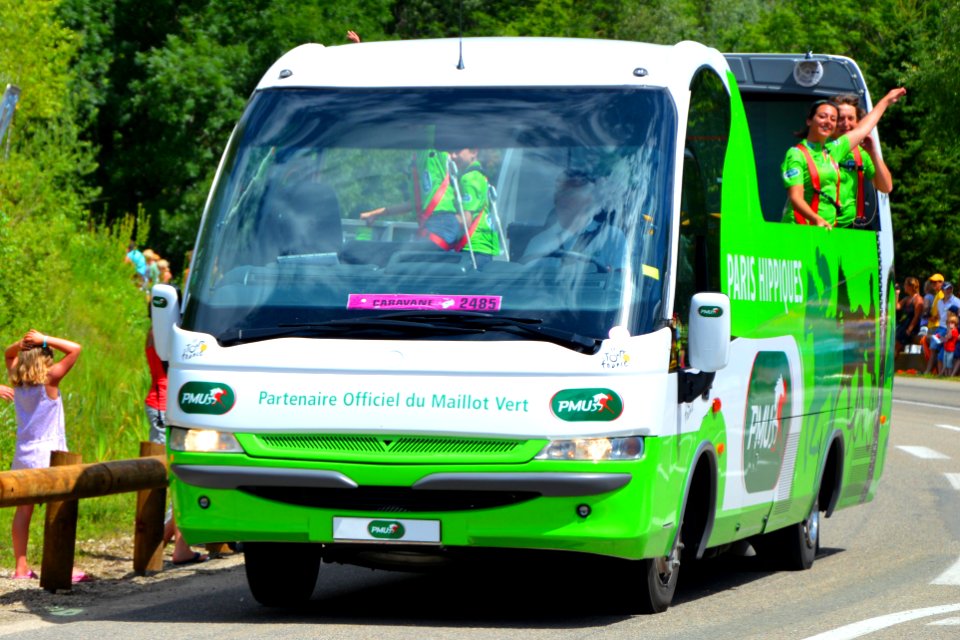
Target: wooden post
(148,528)
(59,534)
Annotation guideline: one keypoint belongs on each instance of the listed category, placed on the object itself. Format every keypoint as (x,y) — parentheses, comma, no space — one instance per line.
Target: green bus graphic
(764,438)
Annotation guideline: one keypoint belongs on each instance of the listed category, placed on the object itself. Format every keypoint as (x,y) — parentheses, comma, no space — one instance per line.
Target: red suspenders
(423,214)
(859,160)
(462,242)
(815,183)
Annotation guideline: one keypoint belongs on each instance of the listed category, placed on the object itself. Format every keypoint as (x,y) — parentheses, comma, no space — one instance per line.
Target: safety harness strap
(423,214)
(860,198)
(815,184)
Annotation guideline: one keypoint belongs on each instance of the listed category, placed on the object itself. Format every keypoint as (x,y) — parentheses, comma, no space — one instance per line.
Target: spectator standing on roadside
(949,344)
(153,269)
(40,427)
(936,285)
(156,408)
(165,275)
(927,303)
(911,306)
(947,303)
(930,321)
(135,257)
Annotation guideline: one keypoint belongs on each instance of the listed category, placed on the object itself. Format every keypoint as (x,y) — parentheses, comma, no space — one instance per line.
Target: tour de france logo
(764,434)
(586,405)
(211,398)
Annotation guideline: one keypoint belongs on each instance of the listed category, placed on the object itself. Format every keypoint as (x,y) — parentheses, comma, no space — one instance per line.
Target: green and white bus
(687,374)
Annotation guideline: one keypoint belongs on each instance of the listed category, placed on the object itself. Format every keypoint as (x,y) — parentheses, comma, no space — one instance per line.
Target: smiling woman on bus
(810,171)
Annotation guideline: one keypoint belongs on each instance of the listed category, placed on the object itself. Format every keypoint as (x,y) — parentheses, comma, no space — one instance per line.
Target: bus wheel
(281,574)
(659,580)
(803,539)
(793,548)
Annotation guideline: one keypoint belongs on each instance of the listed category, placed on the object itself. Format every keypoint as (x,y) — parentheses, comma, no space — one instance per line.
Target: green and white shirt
(473,191)
(795,172)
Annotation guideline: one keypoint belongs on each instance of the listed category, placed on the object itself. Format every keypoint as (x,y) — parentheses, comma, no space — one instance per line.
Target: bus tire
(794,548)
(658,580)
(281,574)
(643,586)
(658,585)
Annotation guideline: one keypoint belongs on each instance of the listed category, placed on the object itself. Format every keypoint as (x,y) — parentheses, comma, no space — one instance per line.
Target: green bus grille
(396,449)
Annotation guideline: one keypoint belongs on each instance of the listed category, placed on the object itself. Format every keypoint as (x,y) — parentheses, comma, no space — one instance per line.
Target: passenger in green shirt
(474,190)
(436,206)
(820,126)
(435,201)
(874,168)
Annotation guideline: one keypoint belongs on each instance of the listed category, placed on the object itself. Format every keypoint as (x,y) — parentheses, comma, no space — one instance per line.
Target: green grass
(97,519)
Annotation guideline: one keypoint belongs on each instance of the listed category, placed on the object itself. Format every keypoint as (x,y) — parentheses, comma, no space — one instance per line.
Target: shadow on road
(562,591)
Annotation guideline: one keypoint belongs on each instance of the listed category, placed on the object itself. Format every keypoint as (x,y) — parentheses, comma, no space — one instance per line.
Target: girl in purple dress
(36,396)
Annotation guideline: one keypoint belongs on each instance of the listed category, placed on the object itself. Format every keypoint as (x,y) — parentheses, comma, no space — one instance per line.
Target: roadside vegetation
(126,106)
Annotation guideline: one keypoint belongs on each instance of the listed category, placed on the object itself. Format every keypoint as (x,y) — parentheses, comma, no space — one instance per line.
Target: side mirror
(708,332)
(164,312)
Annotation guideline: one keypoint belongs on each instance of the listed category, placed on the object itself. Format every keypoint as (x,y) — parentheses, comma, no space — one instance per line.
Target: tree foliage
(156,87)
(126,107)
(59,272)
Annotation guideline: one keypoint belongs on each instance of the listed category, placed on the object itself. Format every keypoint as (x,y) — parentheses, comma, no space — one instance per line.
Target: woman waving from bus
(811,173)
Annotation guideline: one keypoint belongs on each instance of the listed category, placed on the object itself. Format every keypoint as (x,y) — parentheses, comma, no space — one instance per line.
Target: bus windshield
(330,216)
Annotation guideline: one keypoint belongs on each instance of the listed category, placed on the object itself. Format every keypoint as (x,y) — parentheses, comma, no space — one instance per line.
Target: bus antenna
(460,63)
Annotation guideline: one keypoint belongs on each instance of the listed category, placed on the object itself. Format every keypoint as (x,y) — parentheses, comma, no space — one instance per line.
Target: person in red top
(949,345)
(156,404)
(157,397)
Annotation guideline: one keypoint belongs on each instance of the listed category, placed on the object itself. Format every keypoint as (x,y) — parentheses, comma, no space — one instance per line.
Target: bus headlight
(596,449)
(203,441)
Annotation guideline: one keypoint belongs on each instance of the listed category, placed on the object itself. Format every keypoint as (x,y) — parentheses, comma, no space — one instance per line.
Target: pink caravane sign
(429,302)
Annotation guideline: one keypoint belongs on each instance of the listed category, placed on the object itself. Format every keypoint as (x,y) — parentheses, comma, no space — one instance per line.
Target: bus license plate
(386,530)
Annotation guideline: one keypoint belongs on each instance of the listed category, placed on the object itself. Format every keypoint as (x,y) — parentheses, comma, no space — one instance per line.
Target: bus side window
(698,261)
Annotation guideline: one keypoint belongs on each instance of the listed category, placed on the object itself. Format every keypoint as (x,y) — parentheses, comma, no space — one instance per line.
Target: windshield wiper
(373,328)
(484,322)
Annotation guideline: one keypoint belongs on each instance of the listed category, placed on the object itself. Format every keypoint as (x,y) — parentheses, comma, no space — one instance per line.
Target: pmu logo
(587,405)
(386,529)
(764,435)
(213,398)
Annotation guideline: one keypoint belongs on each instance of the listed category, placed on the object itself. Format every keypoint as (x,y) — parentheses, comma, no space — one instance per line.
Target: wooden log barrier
(59,533)
(34,486)
(148,528)
(65,482)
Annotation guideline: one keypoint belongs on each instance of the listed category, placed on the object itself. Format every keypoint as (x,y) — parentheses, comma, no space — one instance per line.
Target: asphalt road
(889,569)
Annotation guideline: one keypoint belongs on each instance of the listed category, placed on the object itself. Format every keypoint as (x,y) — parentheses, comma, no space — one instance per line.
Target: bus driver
(578,229)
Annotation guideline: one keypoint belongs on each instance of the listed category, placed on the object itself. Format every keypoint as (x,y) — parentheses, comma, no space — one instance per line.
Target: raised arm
(10,354)
(882,179)
(392,210)
(70,350)
(869,121)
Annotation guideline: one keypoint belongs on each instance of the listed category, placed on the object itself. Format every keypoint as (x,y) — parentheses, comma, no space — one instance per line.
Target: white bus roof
(493,62)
